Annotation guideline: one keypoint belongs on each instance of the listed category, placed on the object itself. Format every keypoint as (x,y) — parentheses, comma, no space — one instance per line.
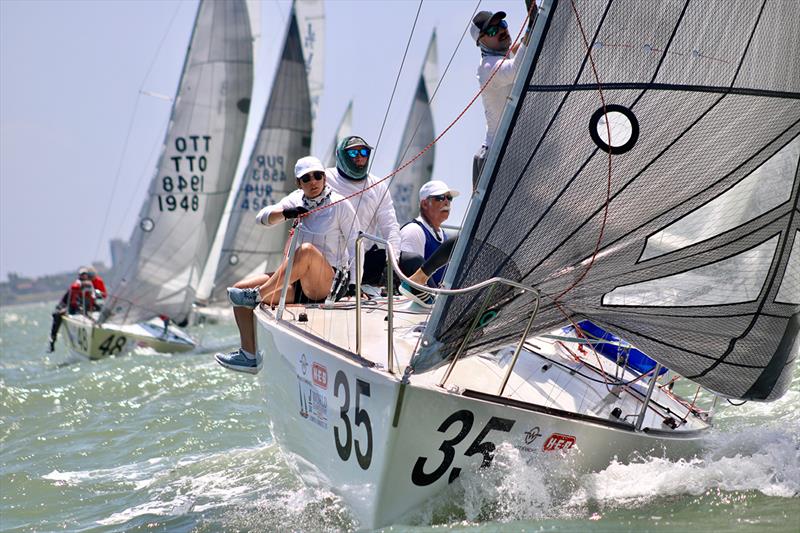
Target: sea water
(177,443)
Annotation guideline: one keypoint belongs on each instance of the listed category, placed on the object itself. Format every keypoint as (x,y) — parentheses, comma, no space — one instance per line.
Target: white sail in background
(284,137)
(310,15)
(418,133)
(345,126)
(179,219)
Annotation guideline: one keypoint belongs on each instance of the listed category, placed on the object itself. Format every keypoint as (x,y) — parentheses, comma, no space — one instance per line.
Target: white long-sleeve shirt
(494,96)
(330,230)
(374,208)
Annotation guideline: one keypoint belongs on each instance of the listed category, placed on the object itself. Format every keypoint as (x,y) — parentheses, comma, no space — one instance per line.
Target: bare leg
(310,267)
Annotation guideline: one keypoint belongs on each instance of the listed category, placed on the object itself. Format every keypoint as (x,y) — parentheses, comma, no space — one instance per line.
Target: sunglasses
(355,152)
(491,31)
(316,175)
(442,197)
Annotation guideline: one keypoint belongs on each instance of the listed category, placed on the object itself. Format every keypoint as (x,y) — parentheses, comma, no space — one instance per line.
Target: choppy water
(178,443)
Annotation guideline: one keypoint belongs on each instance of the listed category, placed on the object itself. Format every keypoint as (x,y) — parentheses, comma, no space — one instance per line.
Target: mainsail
(344,129)
(186,198)
(417,135)
(679,230)
(284,136)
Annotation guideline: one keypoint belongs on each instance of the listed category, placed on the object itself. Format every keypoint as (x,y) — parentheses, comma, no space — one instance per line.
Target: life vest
(431,245)
(81,296)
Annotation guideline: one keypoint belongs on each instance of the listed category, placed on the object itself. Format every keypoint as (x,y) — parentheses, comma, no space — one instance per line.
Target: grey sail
(284,136)
(344,129)
(417,135)
(186,198)
(310,16)
(695,260)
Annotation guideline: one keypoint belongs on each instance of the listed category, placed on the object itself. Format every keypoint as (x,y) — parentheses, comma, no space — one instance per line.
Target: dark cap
(483,20)
(353,141)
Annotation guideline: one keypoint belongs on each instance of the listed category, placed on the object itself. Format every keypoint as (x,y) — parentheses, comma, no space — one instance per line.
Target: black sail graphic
(679,230)
(186,199)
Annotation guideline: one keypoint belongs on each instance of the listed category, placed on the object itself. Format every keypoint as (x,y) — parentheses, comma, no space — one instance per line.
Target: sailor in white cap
(326,244)
(490,33)
(423,237)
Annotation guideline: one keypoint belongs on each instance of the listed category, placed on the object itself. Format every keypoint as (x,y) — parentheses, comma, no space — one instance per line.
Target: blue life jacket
(431,245)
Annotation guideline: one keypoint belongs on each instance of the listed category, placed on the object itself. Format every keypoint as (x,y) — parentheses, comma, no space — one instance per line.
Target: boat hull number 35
(343,438)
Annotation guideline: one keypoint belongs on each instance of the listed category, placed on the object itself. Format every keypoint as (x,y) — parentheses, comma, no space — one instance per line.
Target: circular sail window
(233,259)
(147,224)
(620,123)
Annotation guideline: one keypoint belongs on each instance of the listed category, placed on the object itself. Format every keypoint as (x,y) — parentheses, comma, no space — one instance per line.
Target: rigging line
(608,133)
(383,124)
(433,142)
(130,129)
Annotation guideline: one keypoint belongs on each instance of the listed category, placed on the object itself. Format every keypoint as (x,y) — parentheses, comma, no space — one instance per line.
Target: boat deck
(549,373)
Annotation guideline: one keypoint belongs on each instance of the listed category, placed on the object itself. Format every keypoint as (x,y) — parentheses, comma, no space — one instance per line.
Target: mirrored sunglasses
(442,197)
(354,152)
(316,175)
(491,31)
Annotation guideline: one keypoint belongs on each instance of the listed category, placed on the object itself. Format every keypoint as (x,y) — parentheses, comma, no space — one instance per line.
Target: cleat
(244,297)
(239,362)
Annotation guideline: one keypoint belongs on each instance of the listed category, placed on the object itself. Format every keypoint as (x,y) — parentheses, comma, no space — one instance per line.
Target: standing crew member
(374,207)
(490,32)
(79,298)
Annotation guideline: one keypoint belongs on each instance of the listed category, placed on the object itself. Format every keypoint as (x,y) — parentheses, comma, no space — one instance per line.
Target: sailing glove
(294,212)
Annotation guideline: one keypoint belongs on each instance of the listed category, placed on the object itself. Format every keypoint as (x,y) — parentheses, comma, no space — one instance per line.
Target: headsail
(704,120)
(417,134)
(186,198)
(285,136)
(344,129)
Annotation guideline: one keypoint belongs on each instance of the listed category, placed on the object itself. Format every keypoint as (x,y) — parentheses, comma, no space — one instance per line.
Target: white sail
(310,15)
(345,126)
(186,198)
(284,136)
(418,133)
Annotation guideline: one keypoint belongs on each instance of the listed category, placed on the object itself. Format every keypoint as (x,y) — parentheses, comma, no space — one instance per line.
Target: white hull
(88,339)
(340,418)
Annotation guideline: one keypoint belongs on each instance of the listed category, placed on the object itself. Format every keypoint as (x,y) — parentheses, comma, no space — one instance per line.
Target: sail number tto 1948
(181,188)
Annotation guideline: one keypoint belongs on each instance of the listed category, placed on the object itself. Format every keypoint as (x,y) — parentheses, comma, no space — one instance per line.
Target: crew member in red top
(80,298)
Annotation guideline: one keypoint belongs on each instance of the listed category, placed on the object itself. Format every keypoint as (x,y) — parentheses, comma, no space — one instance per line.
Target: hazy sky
(72,117)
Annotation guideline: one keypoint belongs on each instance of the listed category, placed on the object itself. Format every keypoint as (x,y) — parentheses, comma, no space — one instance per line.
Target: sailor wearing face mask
(374,207)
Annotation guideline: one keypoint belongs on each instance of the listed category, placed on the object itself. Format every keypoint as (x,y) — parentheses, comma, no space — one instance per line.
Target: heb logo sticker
(320,375)
(558,441)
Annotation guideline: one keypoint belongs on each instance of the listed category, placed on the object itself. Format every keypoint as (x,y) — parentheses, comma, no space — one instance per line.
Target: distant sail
(696,110)
(344,129)
(178,221)
(418,133)
(310,15)
(284,137)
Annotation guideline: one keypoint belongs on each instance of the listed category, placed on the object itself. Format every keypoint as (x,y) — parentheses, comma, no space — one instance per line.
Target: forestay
(698,261)
(417,135)
(284,136)
(186,198)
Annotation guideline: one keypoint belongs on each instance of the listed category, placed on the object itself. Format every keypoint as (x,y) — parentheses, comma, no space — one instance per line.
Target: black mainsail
(647,179)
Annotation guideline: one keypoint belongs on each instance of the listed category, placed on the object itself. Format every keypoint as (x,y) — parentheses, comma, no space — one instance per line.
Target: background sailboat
(344,129)
(180,216)
(417,134)
(284,136)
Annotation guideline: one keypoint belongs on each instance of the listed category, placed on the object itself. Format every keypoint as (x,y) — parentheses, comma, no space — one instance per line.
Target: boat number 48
(419,475)
(344,438)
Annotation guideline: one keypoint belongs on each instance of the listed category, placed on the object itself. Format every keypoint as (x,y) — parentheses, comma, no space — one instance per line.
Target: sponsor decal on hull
(558,441)
(313,402)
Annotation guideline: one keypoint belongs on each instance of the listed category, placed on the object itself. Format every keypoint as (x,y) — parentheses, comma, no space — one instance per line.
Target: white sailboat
(389,408)
(417,135)
(343,130)
(284,137)
(180,216)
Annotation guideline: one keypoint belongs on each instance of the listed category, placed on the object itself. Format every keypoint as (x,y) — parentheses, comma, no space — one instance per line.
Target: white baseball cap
(435,188)
(307,164)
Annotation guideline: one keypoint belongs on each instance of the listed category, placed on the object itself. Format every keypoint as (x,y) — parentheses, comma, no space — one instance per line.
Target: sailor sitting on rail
(371,200)
(326,241)
(426,246)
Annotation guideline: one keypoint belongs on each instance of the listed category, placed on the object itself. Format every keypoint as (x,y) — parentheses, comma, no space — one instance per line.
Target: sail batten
(688,205)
